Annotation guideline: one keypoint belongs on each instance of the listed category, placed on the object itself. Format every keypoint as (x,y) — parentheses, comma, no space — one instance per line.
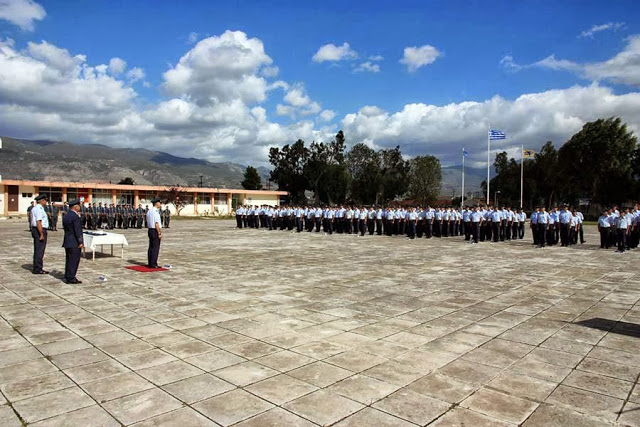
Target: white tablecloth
(92,242)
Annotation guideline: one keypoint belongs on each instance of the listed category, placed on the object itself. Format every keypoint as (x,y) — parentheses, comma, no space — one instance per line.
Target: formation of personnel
(619,228)
(106,217)
(477,224)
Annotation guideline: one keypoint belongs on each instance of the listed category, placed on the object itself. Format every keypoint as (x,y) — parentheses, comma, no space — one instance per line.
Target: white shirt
(153,217)
(38,214)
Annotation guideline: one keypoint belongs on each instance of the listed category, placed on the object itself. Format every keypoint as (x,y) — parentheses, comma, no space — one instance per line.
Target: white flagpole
(521,174)
(488,161)
(462,199)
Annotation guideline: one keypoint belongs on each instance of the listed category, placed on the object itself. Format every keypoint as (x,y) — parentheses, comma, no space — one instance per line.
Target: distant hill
(64,161)
(452,180)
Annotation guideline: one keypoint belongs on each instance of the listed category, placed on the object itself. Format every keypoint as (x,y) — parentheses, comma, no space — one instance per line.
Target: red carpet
(145,269)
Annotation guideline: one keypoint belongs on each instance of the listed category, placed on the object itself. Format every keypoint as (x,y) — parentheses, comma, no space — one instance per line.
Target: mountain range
(44,160)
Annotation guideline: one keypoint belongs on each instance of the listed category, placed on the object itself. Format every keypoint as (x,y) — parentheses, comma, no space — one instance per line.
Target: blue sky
(530,68)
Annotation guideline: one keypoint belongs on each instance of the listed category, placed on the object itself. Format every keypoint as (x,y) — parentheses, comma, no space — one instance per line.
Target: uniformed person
(604,227)
(167,217)
(72,242)
(154,231)
(55,213)
(29,209)
(39,226)
(565,225)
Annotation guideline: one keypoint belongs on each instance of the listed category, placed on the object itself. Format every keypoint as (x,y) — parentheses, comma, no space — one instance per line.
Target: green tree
(597,163)
(425,179)
(288,169)
(394,170)
(252,180)
(127,181)
(325,170)
(363,165)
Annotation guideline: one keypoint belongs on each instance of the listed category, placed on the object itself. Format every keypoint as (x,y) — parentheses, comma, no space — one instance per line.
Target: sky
(226,80)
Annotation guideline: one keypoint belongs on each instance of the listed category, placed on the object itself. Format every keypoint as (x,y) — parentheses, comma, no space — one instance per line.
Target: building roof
(109,186)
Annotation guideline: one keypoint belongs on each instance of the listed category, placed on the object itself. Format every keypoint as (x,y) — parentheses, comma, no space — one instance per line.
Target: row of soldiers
(98,216)
(476,224)
(620,228)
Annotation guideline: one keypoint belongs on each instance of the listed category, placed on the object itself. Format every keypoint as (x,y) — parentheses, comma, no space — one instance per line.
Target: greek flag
(496,134)
(464,153)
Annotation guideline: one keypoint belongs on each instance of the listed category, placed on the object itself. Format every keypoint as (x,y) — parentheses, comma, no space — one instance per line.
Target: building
(16,196)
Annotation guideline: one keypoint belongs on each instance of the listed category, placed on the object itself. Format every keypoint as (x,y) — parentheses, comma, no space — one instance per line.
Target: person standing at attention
(154,226)
(72,242)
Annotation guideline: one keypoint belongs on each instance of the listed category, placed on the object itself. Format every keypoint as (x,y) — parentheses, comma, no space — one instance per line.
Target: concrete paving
(258,328)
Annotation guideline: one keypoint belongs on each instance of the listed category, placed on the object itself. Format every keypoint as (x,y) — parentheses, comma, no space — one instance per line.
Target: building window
(53,193)
(101,196)
(27,195)
(220,198)
(204,199)
(124,197)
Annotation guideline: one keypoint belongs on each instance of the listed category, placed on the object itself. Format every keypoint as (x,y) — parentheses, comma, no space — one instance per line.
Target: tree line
(362,175)
(598,166)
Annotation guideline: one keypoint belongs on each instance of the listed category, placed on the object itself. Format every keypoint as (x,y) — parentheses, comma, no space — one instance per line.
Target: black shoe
(41,272)
(73,281)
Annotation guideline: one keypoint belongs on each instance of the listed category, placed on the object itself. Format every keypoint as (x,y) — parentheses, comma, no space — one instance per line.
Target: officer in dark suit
(111,216)
(55,213)
(154,229)
(73,242)
(139,215)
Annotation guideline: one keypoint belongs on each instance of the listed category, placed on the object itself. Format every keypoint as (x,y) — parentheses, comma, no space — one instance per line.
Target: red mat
(145,269)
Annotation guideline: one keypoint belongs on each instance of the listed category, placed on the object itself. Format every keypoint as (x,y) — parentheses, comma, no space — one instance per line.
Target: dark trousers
(38,249)
(363,226)
(622,239)
(542,229)
(581,234)
(445,228)
(372,226)
(604,238)
(467,230)
(521,230)
(239,221)
(412,229)
(154,248)
(496,231)
(475,230)
(379,227)
(564,234)
(428,228)
(71,263)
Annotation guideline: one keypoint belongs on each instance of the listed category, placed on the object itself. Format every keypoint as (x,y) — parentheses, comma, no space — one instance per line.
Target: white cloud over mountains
(614,26)
(215,105)
(22,13)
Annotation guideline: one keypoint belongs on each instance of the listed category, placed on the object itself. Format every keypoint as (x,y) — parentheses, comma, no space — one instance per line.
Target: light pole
(495,198)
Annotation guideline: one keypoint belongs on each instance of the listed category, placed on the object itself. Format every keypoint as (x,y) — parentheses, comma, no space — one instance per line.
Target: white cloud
(416,57)
(219,69)
(331,52)
(623,68)
(327,115)
(531,119)
(270,71)
(615,26)
(192,37)
(376,58)
(297,97)
(367,66)
(135,74)
(117,66)
(22,13)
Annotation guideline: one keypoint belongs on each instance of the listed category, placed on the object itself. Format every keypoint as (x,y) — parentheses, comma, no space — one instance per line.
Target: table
(92,241)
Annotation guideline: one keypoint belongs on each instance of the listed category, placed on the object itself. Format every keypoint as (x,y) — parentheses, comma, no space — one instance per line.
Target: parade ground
(259,328)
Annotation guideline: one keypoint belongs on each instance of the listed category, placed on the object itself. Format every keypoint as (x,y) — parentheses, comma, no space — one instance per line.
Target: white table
(93,241)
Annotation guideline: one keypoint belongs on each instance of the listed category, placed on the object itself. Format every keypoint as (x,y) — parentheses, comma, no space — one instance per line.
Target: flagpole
(462,198)
(488,161)
(521,174)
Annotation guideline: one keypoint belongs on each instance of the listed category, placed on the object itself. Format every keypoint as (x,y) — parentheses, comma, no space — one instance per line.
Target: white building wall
(25,202)
(258,199)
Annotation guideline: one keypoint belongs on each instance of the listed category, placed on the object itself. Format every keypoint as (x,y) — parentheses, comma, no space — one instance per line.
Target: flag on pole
(464,153)
(496,134)
(528,153)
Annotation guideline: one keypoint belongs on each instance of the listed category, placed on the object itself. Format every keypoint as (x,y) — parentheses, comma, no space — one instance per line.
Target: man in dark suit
(73,242)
